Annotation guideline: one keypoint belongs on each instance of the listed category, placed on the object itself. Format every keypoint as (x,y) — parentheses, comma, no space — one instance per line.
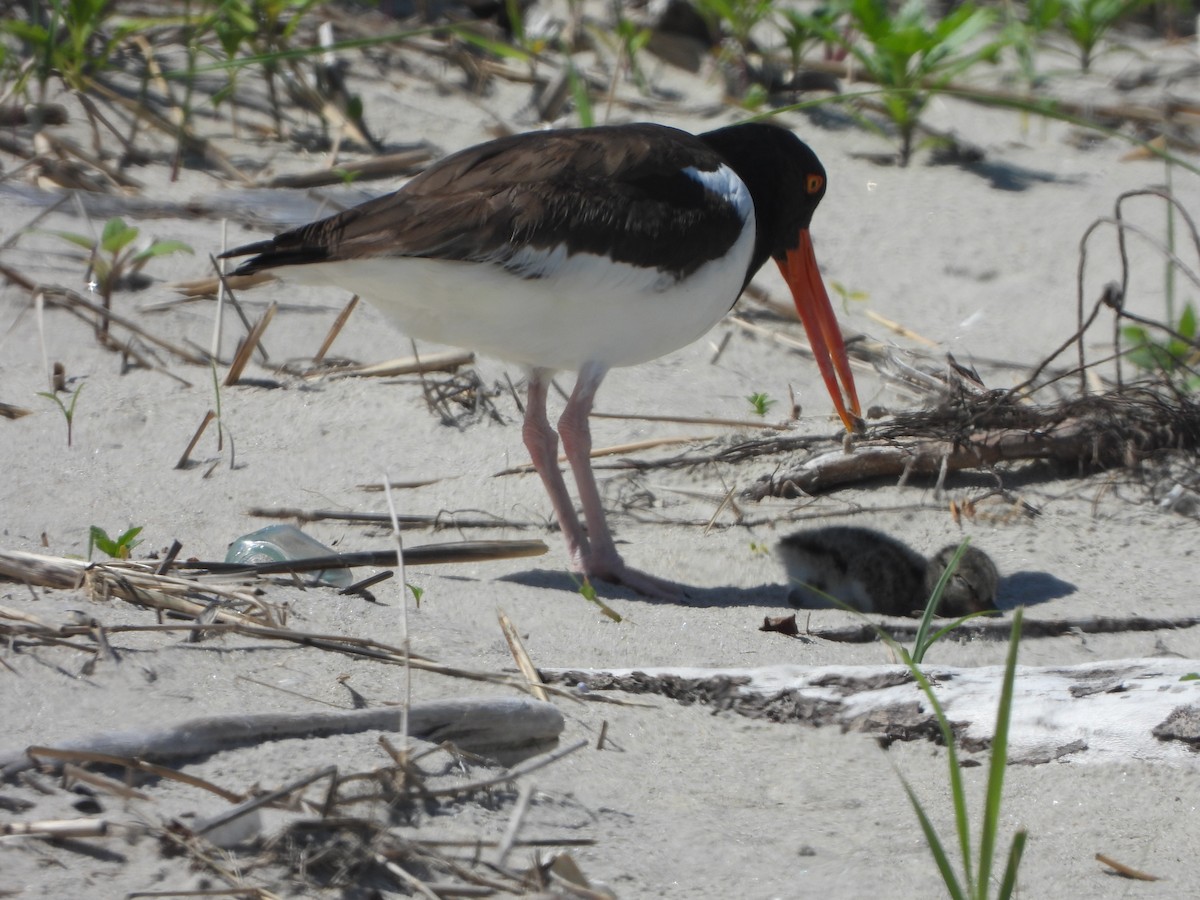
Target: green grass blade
(958,793)
(1009,884)
(953,886)
(999,754)
(941,633)
(922,642)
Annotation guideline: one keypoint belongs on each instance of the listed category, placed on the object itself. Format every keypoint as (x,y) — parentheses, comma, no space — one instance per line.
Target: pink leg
(542,443)
(603,561)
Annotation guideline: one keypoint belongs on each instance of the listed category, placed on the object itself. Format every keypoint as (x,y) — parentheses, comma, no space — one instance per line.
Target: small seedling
(68,409)
(758,548)
(119,547)
(589,594)
(417,593)
(760,403)
(114,257)
(848,296)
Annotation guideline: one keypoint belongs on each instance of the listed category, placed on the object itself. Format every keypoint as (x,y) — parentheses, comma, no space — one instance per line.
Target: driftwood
(1106,431)
(125,576)
(1115,710)
(999,629)
(485,726)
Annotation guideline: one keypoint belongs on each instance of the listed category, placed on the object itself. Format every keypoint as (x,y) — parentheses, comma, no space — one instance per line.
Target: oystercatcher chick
(873,572)
(581,250)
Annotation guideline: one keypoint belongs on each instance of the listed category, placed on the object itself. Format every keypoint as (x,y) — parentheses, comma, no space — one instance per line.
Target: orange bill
(799,268)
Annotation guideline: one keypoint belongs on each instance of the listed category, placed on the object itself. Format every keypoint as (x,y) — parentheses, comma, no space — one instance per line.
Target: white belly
(585,309)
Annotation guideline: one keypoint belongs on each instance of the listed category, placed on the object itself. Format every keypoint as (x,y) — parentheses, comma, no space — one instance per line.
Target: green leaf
(99,538)
(162,248)
(117,235)
(953,888)
(80,240)
(589,593)
(999,752)
(1187,323)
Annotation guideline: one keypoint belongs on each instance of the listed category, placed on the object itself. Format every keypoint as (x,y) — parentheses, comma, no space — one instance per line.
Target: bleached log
(1111,711)
(490,726)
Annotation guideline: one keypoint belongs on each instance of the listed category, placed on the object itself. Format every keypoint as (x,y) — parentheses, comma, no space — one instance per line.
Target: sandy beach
(977,259)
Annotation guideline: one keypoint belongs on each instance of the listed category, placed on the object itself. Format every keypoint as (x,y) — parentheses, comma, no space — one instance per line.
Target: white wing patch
(725,183)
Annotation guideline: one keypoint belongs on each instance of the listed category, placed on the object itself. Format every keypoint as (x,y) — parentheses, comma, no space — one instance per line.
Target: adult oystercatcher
(582,249)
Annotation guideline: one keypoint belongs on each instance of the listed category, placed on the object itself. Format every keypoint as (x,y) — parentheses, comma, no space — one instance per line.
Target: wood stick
(336,328)
(404,162)
(446,361)
(187,452)
(68,298)
(615,449)
(517,647)
(475,725)
(248,346)
(407,520)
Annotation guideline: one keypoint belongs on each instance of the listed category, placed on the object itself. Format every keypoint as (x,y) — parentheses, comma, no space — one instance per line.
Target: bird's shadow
(1031,589)
(1005,176)
(1018,589)
(767,596)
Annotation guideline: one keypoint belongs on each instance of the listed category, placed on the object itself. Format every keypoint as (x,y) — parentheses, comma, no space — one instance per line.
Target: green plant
(1087,21)
(68,409)
(265,28)
(803,31)
(924,639)
(737,18)
(119,547)
(1025,28)
(760,403)
(589,594)
(848,296)
(976,882)
(911,56)
(114,256)
(71,39)
(1175,356)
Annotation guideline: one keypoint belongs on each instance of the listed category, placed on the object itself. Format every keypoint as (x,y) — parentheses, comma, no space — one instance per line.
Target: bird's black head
(784,177)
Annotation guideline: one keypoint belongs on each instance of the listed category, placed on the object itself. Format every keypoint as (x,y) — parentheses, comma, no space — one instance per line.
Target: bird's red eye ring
(814,183)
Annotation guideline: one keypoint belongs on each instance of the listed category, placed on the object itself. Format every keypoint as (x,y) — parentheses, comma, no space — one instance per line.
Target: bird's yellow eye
(814,183)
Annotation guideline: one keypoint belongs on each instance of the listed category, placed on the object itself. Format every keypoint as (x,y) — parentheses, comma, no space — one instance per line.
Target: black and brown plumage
(581,250)
(874,572)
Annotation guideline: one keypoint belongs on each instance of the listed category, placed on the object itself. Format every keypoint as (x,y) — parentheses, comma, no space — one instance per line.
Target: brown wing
(620,191)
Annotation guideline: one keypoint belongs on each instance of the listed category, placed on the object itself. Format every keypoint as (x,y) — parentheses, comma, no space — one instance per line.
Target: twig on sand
(483,726)
(1092,432)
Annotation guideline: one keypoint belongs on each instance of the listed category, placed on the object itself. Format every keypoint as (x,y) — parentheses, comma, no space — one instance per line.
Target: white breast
(581,308)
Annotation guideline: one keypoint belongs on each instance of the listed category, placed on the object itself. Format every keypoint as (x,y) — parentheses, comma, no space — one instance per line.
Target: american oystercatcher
(581,249)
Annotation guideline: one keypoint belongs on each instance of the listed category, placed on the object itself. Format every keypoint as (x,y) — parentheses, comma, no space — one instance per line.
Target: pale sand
(687,803)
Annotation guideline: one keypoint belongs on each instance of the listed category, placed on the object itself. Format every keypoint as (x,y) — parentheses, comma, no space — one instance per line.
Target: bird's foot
(615,571)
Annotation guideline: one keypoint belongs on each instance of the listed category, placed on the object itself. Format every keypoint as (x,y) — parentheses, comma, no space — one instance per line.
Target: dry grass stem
(1126,871)
(517,647)
(446,361)
(187,452)
(392,165)
(688,420)
(448,519)
(76,303)
(248,346)
(336,328)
